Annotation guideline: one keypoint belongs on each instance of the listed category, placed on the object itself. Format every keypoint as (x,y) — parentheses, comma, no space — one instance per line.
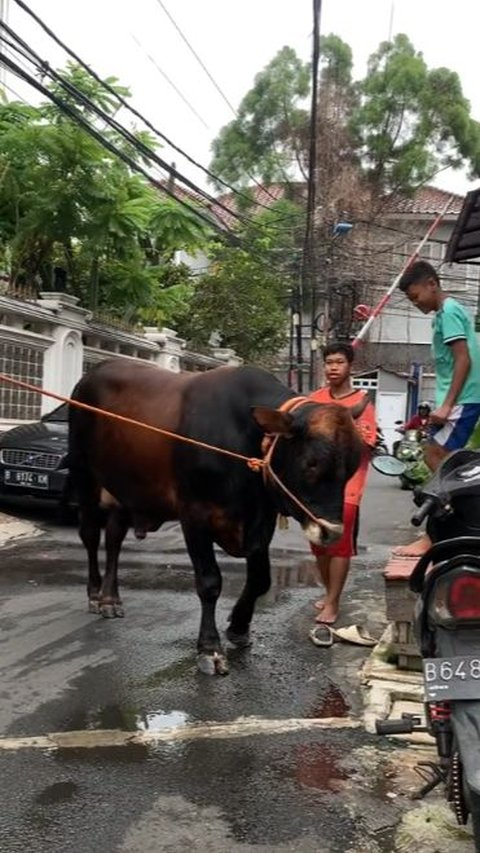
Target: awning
(464,244)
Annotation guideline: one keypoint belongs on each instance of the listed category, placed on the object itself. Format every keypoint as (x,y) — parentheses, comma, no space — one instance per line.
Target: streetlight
(341,228)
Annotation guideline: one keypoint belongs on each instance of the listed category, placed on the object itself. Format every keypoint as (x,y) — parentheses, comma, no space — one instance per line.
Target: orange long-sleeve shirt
(367,427)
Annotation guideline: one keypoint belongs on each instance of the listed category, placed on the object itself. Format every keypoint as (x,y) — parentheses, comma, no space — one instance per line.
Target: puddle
(332,704)
(159,720)
(129,719)
(286,577)
(108,717)
(317,766)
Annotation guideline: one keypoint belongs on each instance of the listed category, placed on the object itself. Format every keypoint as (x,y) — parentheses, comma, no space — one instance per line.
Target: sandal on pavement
(324,635)
(356,634)
(321,635)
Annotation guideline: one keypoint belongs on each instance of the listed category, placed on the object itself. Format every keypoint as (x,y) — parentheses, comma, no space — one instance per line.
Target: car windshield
(59,415)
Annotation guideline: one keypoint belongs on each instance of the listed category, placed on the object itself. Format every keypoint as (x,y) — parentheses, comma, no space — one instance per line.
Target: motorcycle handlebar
(422,512)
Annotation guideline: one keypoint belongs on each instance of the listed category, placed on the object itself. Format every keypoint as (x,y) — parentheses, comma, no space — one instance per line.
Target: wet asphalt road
(63,669)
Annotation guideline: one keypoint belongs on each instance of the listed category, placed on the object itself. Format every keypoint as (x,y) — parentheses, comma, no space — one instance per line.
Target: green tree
(263,140)
(65,201)
(245,294)
(411,121)
(399,125)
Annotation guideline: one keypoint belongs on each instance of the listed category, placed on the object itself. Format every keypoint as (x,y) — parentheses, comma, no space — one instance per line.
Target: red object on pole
(362,312)
(413,257)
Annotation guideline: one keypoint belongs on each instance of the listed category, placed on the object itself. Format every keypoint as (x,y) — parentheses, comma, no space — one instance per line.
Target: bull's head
(317,451)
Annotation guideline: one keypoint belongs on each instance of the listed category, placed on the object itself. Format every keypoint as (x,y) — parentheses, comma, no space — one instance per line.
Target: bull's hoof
(214,664)
(111,610)
(94,606)
(241,641)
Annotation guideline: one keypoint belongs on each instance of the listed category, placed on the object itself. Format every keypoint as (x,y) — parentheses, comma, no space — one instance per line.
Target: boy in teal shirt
(457,367)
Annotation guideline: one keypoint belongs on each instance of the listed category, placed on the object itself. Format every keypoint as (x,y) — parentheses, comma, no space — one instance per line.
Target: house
(464,244)
(402,335)
(392,394)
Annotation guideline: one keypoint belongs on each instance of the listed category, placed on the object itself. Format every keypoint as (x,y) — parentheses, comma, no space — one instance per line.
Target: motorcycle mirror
(389,465)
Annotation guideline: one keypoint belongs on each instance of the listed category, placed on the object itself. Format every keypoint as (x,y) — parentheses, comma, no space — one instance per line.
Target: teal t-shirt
(453,323)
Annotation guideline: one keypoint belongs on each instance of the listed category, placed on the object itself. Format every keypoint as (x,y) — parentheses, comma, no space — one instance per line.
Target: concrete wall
(52,341)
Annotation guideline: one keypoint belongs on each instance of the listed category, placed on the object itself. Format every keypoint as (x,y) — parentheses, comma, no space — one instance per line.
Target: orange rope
(252,462)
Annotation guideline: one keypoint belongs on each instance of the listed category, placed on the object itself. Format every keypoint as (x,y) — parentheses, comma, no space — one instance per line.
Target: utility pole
(307,283)
(3,19)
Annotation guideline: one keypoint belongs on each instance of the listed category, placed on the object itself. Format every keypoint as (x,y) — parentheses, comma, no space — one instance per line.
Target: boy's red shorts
(347,544)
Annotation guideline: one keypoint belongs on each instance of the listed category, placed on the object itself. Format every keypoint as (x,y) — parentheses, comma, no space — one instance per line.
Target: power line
(135,112)
(170,82)
(79,119)
(197,57)
(110,146)
(309,241)
(205,69)
(13,92)
(44,68)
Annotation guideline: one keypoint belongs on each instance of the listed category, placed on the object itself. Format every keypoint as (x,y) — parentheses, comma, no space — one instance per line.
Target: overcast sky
(235,40)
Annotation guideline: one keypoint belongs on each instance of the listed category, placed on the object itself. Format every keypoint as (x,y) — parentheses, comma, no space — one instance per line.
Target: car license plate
(28,479)
(452,678)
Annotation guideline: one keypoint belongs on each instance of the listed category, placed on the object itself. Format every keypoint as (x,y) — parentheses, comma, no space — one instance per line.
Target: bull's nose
(324,532)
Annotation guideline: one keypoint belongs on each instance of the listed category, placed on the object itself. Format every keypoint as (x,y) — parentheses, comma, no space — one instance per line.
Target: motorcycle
(381,448)
(409,450)
(447,628)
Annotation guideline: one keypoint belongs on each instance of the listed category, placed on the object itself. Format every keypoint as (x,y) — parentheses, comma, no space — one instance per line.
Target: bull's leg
(257,583)
(118,522)
(211,659)
(89,530)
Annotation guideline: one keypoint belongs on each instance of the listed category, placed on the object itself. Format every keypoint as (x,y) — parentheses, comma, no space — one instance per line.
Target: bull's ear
(360,407)
(272,421)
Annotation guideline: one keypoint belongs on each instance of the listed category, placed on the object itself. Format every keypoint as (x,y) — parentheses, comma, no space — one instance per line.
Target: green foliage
(261,142)
(66,202)
(399,125)
(412,121)
(336,61)
(245,294)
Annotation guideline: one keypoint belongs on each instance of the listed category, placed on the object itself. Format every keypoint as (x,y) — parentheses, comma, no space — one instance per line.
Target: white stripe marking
(242,727)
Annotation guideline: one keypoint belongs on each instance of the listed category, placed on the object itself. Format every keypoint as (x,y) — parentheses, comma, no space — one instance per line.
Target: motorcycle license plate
(452,678)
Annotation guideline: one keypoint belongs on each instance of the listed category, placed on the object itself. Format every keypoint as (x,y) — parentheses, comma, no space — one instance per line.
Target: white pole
(413,257)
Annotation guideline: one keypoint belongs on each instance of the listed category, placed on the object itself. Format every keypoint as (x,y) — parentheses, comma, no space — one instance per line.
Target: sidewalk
(15,528)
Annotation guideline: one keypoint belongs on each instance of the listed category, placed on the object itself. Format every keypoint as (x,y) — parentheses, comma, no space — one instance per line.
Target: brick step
(399,568)
(400,601)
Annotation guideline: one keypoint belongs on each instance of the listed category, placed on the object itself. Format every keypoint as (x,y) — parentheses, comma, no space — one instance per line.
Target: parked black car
(32,458)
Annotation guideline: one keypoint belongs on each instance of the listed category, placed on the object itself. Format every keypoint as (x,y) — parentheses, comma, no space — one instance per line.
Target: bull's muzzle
(323,532)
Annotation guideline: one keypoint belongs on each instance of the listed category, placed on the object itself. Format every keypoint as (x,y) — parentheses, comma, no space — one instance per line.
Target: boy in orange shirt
(333,562)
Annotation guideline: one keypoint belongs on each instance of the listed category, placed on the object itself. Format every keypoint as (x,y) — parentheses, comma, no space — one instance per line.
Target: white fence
(51,341)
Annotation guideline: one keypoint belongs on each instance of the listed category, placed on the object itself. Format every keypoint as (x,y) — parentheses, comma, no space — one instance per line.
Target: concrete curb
(389,692)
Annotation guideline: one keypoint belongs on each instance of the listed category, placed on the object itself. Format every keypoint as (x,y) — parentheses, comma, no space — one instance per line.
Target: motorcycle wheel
(405,484)
(465,802)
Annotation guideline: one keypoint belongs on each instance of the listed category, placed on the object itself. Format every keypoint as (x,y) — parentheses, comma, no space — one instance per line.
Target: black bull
(145,479)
